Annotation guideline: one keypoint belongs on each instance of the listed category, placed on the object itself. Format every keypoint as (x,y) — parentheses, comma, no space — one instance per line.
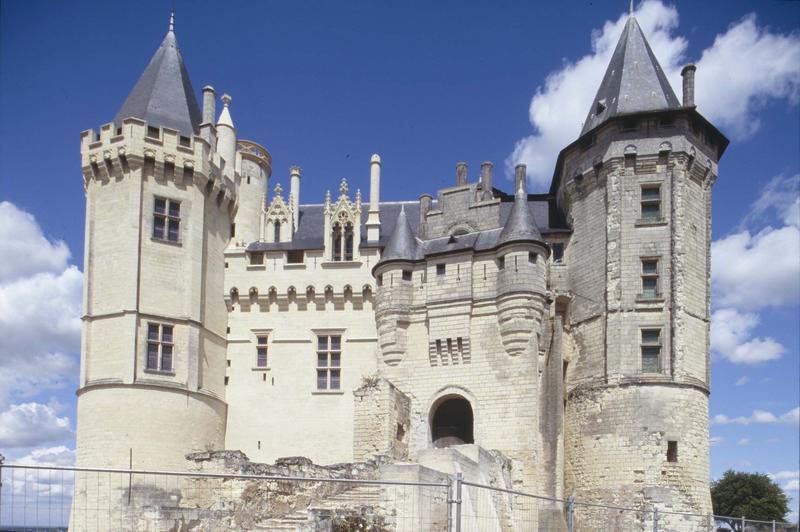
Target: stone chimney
(461,174)
(294,190)
(486,179)
(688,84)
(207,129)
(425,204)
(373,217)
(520,181)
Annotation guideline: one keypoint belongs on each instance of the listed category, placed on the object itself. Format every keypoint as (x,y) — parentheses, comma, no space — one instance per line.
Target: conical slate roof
(402,244)
(163,96)
(520,224)
(633,82)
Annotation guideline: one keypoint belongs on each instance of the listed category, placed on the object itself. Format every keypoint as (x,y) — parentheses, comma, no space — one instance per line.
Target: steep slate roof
(163,96)
(633,82)
(402,244)
(520,224)
(309,234)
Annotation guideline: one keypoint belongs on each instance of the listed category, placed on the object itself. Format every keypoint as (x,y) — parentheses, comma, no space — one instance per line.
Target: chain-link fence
(39,498)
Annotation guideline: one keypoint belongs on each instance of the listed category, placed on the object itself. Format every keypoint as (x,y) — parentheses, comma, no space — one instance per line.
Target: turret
(521,279)
(254,173)
(158,214)
(394,275)
(637,187)
(226,138)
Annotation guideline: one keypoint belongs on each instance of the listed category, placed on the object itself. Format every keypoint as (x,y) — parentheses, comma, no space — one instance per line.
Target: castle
(569,330)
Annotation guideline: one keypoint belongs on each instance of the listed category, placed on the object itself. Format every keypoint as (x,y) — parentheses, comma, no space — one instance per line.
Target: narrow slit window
(672,451)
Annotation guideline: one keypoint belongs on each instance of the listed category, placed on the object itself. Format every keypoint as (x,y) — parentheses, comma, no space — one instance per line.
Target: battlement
(114,151)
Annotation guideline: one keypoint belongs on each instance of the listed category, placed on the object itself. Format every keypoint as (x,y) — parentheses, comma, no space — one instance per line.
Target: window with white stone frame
(167,220)
(261,350)
(342,241)
(159,347)
(329,362)
(651,203)
(651,350)
(650,280)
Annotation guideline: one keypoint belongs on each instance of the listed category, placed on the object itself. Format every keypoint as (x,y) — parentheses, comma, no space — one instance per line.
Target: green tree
(752,495)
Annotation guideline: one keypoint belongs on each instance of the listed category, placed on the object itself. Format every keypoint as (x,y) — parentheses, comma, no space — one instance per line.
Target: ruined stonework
(554,343)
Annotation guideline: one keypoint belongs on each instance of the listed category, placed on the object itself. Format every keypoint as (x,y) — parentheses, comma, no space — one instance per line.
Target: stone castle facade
(569,330)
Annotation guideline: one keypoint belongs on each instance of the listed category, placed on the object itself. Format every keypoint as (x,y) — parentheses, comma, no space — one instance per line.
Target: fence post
(773,525)
(571,514)
(742,524)
(459,480)
(655,519)
(449,504)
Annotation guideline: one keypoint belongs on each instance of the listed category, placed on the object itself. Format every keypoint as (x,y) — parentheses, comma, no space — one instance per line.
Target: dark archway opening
(452,423)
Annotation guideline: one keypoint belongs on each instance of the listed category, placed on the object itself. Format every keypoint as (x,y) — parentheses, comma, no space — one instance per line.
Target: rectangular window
(558,252)
(532,257)
(233,230)
(295,256)
(329,362)
(167,220)
(651,203)
(440,269)
(672,451)
(153,132)
(257,258)
(501,263)
(406,275)
(261,351)
(159,347)
(651,350)
(650,278)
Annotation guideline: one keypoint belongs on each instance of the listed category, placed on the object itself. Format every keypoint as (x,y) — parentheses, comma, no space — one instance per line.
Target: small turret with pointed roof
(163,96)
(633,82)
(402,244)
(520,225)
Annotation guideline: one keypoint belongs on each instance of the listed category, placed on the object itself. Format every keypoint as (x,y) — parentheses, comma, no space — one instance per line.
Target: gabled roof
(163,96)
(634,81)
(402,244)
(520,225)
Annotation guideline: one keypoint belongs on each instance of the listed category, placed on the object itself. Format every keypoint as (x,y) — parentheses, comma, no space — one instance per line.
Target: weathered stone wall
(381,421)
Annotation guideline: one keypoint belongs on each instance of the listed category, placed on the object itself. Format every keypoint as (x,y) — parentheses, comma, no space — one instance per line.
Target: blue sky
(325,85)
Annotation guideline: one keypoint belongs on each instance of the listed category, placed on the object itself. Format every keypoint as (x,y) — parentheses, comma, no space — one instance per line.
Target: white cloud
(792,417)
(743,441)
(558,108)
(49,456)
(731,333)
(792,479)
(32,424)
(779,199)
(715,440)
(742,381)
(24,248)
(40,308)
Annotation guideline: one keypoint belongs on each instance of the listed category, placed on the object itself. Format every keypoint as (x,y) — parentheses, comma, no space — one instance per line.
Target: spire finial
(226,99)
(172,20)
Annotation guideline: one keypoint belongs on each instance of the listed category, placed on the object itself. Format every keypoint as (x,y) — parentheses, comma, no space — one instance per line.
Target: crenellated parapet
(161,153)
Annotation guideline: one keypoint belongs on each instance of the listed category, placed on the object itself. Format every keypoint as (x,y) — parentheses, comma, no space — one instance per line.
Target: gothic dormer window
(341,222)
(278,217)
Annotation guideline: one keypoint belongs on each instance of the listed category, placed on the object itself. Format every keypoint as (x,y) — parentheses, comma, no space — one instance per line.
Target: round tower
(637,362)
(255,171)
(157,223)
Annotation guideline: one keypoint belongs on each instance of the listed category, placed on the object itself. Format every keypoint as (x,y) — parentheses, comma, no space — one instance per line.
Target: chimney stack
(209,104)
(520,181)
(294,190)
(373,218)
(486,179)
(461,174)
(688,84)
(425,204)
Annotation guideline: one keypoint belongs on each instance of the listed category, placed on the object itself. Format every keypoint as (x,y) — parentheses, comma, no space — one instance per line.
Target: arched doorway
(451,422)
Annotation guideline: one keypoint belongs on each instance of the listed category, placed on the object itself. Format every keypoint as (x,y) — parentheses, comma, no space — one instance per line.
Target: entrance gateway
(451,422)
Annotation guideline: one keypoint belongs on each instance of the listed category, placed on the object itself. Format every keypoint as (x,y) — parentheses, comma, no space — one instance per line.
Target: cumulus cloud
(790,479)
(24,248)
(559,107)
(32,424)
(792,417)
(715,440)
(731,338)
(741,381)
(757,270)
(40,308)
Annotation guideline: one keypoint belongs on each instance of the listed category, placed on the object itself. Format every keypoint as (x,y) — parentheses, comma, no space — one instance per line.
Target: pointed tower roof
(164,96)
(402,244)
(634,81)
(520,224)
(225,116)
